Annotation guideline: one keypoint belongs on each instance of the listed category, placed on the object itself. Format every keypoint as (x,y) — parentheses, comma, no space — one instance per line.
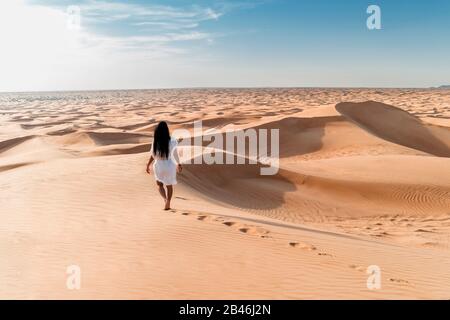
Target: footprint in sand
(302,245)
(399,281)
(324,254)
(229,223)
(357,268)
(244,230)
(252,230)
(200,217)
(256,231)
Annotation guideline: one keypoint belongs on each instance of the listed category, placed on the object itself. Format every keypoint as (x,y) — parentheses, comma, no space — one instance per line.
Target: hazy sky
(159,44)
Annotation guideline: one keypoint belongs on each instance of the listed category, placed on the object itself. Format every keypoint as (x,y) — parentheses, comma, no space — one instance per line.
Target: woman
(166,163)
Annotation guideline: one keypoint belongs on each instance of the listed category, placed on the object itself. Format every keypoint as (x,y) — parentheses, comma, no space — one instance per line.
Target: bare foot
(167,207)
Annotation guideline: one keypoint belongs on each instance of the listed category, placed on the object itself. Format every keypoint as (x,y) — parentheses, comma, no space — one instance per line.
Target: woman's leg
(162,192)
(169,196)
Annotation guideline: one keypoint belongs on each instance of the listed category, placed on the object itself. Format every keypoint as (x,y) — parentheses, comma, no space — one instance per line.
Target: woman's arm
(149,163)
(177,159)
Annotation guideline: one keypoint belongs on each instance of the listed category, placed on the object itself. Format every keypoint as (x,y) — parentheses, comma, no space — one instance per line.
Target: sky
(49,45)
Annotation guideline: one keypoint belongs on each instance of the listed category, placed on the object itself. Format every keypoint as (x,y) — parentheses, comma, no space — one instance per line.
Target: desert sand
(364,180)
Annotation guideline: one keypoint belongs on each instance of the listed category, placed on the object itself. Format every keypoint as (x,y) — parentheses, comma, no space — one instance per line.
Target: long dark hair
(161,140)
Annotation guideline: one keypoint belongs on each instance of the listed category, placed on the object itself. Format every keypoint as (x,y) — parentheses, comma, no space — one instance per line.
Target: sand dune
(11,143)
(360,184)
(318,137)
(398,126)
(101,138)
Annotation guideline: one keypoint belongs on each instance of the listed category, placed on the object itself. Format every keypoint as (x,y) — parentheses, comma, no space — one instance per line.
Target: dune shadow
(11,143)
(239,185)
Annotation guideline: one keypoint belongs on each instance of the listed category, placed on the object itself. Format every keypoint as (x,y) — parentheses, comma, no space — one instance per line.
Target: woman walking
(164,157)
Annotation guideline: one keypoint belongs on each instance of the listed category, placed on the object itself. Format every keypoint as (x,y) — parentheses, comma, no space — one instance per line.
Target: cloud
(40,52)
(167,25)
(127,25)
(106,12)
(146,27)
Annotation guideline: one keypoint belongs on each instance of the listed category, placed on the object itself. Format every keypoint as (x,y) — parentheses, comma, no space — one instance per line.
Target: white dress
(165,170)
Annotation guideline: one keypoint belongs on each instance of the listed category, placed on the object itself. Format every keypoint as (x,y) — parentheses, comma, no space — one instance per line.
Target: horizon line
(225,87)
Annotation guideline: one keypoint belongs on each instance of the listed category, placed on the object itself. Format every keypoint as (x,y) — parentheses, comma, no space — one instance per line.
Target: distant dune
(398,126)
